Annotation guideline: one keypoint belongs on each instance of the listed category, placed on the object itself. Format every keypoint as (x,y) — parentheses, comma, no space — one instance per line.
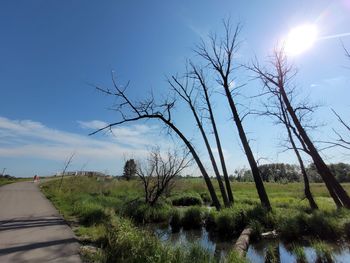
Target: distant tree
(159,172)
(129,169)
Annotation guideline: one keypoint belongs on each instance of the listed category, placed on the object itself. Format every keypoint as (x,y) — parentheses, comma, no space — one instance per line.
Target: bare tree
(342,140)
(289,127)
(159,173)
(185,92)
(278,79)
(220,57)
(198,74)
(66,165)
(148,109)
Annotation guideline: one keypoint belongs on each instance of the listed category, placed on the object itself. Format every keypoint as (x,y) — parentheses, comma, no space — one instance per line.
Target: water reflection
(256,252)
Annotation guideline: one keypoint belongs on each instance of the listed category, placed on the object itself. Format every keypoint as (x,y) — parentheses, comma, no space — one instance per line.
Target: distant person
(36,178)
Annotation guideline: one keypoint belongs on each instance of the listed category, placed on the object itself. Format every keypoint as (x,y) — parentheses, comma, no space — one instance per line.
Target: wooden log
(242,243)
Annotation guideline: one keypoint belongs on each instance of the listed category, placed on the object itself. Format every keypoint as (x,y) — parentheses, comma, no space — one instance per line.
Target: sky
(53,53)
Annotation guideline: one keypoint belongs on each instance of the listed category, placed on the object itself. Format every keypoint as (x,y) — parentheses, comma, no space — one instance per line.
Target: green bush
(175,221)
(234,257)
(142,212)
(230,222)
(272,254)
(193,218)
(323,226)
(347,229)
(256,230)
(292,228)
(187,200)
(128,244)
(89,213)
(299,253)
(262,215)
(323,252)
(206,197)
(210,220)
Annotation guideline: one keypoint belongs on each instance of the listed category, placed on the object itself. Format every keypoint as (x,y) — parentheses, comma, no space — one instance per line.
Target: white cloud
(26,138)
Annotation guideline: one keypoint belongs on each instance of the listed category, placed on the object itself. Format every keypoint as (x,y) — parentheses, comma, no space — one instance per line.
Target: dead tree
(289,127)
(220,57)
(275,108)
(148,109)
(198,75)
(278,77)
(159,173)
(66,165)
(185,92)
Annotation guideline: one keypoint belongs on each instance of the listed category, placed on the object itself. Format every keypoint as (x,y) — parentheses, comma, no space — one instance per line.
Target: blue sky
(52,51)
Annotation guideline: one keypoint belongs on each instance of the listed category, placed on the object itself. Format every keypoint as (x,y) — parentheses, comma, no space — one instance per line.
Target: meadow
(110,214)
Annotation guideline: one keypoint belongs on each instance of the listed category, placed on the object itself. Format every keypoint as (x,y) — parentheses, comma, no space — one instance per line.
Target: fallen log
(242,243)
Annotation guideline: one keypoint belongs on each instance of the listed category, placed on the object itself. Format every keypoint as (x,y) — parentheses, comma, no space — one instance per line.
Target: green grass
(100,204)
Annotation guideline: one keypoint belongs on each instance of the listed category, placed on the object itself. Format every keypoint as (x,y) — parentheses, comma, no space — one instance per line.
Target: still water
(256,252)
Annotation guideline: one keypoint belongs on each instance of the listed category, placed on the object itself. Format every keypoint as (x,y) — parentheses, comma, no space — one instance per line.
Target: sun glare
(300,39)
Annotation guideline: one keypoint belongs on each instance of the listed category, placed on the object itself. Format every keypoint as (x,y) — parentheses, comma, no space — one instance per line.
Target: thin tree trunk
(218,143)
(307,191)
(187,98)
(253,165)
(337,192)
(206,177)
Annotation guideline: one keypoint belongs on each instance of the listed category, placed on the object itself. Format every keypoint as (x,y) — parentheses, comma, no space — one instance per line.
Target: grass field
(109,212)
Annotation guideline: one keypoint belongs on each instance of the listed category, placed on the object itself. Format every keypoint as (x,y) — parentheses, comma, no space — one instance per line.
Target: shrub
(323,252)
(206,197)
(230,222)
(175,221)
(299,253)
(89,213)
(323,226)
(256,230)
(196,253)
(210,220)
(142,212)
(128,244)
(262,215)
(193,218)
(187,200)
(234,257)
(347,229)
(272,254)
(292,228)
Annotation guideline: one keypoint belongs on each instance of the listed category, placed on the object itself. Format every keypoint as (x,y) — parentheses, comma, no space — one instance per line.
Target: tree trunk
(253,165)
(206,177)
(336,191)
(218,144)
(212,159)
(307,191)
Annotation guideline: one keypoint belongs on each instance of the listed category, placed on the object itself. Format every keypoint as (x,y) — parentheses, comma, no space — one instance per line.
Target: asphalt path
(31,229)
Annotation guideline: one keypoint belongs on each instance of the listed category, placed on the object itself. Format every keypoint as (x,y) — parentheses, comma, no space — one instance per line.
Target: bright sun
(300,39)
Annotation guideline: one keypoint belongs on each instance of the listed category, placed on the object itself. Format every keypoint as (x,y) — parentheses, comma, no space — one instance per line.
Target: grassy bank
(109,212)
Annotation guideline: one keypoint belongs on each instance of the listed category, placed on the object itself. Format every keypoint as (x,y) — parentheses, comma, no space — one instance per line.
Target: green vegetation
(7,179)
(111,211)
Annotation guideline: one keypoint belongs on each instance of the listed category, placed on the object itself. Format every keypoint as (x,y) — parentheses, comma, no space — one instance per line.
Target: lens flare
(300,39)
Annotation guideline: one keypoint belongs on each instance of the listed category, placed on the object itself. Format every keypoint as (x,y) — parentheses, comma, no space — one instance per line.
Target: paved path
(31,230)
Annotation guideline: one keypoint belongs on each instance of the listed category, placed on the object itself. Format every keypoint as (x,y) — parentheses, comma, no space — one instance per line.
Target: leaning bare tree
(185,90)
(198,74)
(275,108)
(159,172)
(149,109)
(219,56)
(278,77)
